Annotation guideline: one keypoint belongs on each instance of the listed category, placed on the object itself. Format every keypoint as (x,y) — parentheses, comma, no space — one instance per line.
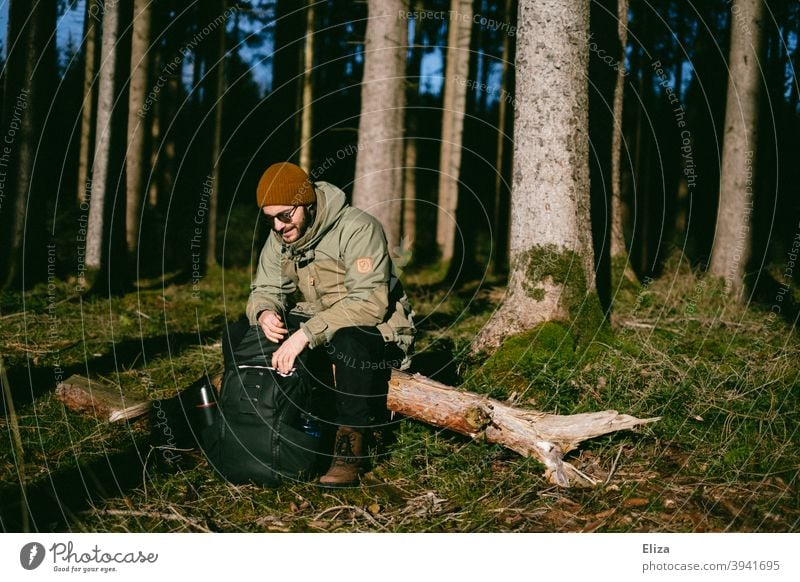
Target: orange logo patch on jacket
(364,264)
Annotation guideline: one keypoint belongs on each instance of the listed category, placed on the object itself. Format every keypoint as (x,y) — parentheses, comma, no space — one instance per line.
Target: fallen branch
(83,395)
(530,433)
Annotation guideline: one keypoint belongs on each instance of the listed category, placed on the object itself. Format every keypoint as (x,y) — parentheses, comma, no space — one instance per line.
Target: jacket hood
(331,204)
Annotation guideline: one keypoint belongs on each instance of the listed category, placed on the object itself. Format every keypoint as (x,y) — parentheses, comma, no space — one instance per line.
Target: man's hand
(284,357)
(272,325)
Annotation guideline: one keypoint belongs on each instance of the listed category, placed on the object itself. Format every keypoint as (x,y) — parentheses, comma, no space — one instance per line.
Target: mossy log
(546,437)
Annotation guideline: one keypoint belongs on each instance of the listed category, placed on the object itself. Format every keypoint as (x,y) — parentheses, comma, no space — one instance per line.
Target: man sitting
(336,257)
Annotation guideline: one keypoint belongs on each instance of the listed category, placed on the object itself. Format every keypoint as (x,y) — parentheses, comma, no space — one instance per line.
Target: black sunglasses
(285,217)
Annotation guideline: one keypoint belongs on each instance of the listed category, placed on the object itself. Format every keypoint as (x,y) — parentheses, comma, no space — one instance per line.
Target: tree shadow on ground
(777,298)
(28,382)
(53,503)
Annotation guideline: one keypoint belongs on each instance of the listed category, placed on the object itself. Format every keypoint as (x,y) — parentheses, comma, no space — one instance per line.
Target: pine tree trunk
(620,264)
(168,154)
(218,83)
(164,112)
(409,231)
(138,129)
(105,238)
(410,190)
(308,90)
(641,190)
(91,55)
(682,190)
(155,147)
(379,166)
(105,105)
(501,206)
(731,251)
(552,262)
(29,69)
(453,109)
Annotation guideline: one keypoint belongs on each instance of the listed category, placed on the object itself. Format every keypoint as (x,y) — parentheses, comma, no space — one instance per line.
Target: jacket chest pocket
(308,282)
(330,286)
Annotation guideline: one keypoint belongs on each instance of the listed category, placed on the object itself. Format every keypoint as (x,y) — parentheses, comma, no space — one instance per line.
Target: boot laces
(344,450)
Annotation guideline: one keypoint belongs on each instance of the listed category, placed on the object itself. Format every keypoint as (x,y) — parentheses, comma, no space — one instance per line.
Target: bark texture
(308,90)
(217,83)
(378,187)
(106,403)
(732,243)
(106,229)
(28,86)
(501,197)
(136,162)
(552,262)
(91,56)
(453,108)
(409,230)
(620,264)
(410,189)
(546,437)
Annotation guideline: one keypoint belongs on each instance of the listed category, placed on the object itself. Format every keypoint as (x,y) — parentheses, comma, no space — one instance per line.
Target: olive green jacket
(343,272)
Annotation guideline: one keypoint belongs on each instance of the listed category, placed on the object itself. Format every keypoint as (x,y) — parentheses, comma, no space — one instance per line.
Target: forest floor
(724,457)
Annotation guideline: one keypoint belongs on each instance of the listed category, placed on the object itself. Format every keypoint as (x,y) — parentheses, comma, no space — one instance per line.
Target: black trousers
(362,361)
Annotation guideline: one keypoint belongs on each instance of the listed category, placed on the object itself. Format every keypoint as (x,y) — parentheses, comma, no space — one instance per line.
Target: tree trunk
(105,241)
(379,165)
(501,203)
(409,231)
(287,79)
(203,11)
(154,126)
(29,73)
(531,433)
(137,125)
(91,55)
(306,123)
(453,109)
(218,83)
(167,151)
(410,188)
(164,112)
(641,181)
(105,106)
(732,243)
(620,264)
(552,262)
(155,141)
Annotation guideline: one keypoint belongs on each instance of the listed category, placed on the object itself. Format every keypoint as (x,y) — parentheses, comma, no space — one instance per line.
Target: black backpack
(258,435)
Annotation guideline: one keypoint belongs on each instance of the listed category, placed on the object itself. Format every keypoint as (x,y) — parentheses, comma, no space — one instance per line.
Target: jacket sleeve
(367,271)
(269,289)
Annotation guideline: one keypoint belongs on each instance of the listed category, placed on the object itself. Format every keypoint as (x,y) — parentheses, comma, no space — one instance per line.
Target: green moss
(538,294)
(548,343)
(536,365)
(565,268)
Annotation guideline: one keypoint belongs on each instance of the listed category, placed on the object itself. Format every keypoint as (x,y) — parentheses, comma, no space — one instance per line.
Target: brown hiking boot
(347,464)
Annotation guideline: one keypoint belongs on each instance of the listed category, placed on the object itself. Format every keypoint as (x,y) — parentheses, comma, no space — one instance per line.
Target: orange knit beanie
(285,184)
